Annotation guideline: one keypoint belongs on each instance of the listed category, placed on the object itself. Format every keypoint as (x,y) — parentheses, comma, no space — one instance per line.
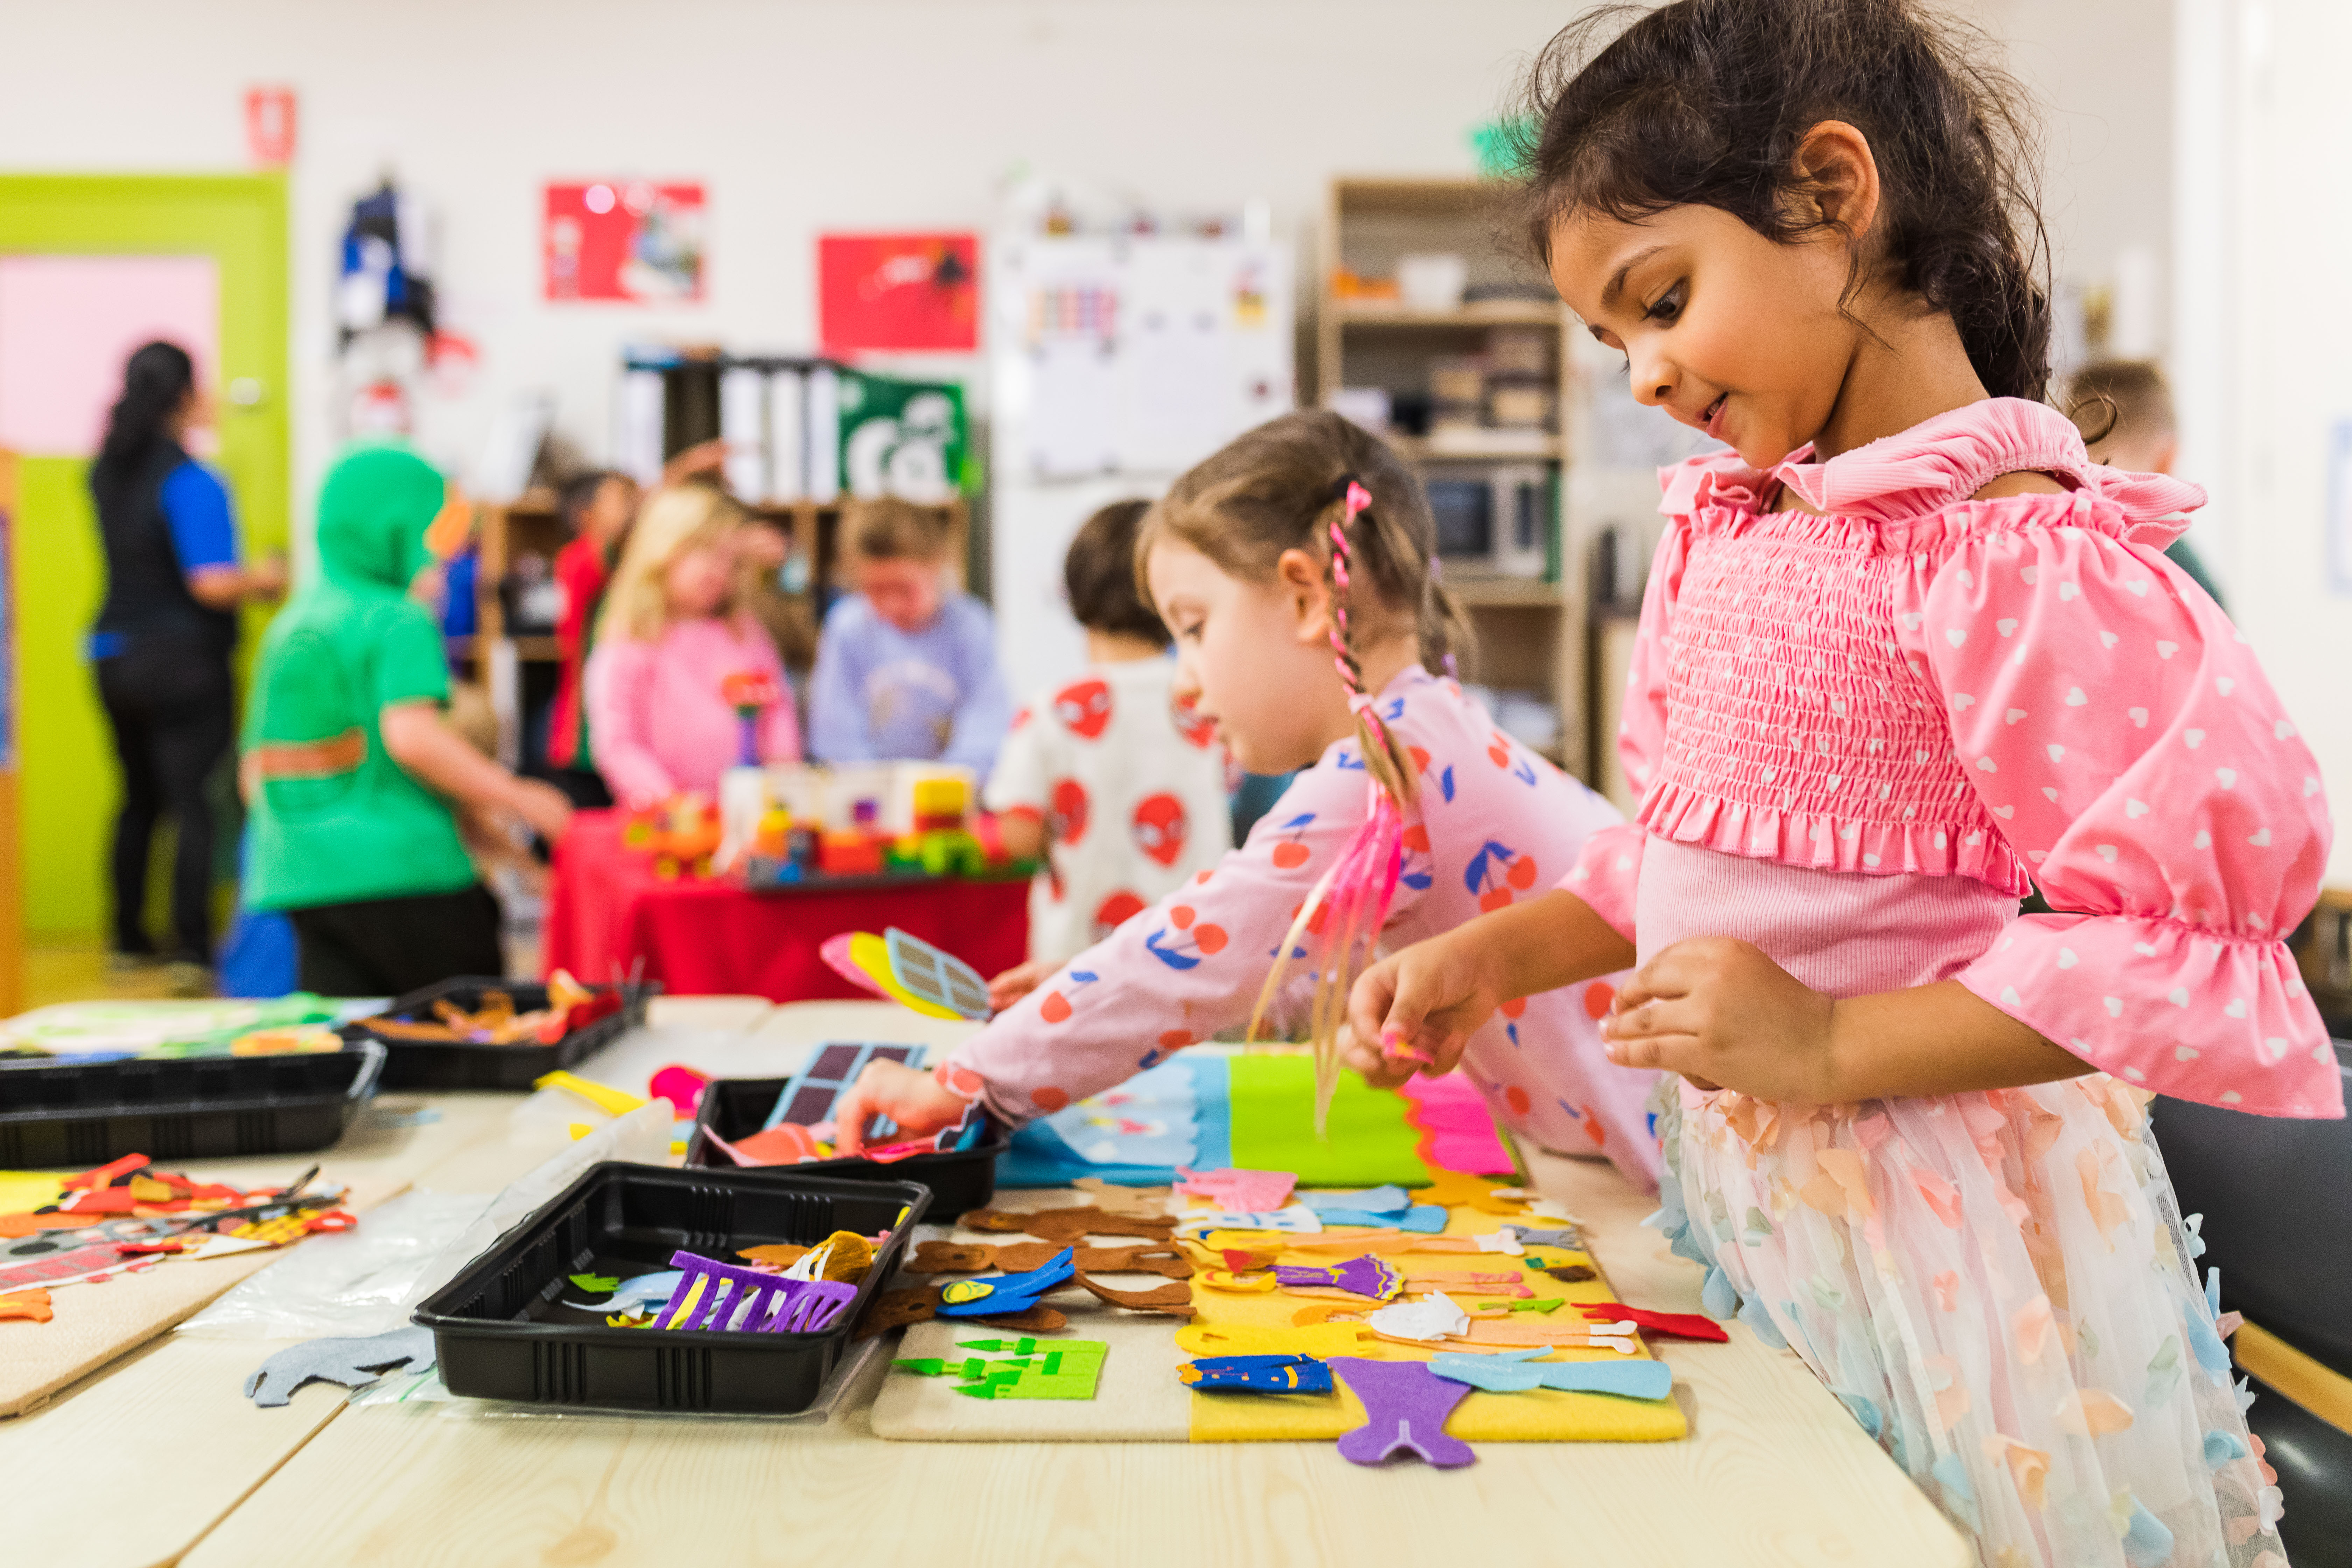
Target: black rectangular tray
(501,1331)
(734,1108)
(75,1115)
(431,1064)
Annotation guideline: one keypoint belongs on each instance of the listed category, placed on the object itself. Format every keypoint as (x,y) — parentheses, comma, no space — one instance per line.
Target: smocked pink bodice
(2019,690)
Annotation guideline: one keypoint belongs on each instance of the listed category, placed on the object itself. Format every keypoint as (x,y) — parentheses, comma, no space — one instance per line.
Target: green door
(71,786)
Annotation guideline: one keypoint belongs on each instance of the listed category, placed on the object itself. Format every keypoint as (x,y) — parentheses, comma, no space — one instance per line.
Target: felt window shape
(716,1295)
(936,977)
(1257,1375)
(808,1096)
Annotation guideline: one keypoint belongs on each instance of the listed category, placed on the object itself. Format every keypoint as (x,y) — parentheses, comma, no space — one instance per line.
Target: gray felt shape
(354,1364)
(1568,1240)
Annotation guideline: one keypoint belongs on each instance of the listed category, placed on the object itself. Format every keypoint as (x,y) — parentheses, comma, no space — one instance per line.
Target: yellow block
(1232,1323)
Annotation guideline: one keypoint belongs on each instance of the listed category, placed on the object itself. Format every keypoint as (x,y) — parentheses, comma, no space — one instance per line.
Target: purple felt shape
(1405,1406)
(1367,1276)
(778,1306)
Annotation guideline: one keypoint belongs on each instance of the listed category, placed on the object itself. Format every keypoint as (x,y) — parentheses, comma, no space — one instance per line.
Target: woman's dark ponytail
(158,377)
(1631,111)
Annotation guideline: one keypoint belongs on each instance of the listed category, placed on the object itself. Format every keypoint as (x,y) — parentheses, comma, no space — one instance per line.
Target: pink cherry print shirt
(2016,690)
(1492,824)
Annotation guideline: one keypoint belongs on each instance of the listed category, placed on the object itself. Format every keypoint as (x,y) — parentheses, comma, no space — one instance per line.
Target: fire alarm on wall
(269,125)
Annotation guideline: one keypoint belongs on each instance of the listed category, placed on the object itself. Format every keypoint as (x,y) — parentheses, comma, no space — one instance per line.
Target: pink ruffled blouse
(2018,690)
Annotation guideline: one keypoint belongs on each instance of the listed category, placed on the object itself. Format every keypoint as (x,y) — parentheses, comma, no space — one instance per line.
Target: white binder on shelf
(787,434)
(743,426)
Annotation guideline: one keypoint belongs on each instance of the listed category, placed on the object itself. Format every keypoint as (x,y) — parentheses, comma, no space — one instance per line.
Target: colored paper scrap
(1431,1318)
(1249,1191)
(1512,1371)
(354,1364)
(1257,1375)
(1405,1409)
(597,1284)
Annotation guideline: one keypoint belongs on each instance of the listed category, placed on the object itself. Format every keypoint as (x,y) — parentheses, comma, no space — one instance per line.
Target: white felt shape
(1296,1218)
(1501,1241)
(1432,1317)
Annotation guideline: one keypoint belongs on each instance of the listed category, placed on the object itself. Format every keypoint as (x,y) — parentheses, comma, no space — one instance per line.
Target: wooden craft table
(159,1458)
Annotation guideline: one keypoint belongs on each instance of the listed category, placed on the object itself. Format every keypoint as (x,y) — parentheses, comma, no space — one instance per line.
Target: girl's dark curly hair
(1631,111)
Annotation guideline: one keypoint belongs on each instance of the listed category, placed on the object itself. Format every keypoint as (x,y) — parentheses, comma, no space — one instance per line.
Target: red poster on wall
(631,240)
(908,291)
(270,124)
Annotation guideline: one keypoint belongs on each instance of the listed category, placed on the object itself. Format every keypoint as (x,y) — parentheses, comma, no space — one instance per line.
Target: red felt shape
(1674,1325)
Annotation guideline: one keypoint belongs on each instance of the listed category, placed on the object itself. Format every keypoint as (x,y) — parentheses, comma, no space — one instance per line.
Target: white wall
(2265,233)
(806,115)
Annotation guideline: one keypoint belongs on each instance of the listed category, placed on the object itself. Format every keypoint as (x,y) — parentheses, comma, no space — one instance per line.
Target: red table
(607,909)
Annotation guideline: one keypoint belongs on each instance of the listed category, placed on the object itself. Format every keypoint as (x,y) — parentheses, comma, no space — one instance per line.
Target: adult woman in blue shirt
(162,646)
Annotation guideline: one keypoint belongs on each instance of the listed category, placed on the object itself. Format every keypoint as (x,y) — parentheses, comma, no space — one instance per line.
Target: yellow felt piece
(21,1192)
(871,953)
(1236,1324)
(603,1096)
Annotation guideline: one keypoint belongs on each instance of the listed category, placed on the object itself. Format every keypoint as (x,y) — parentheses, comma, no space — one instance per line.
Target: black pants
(385,947)
(171,707)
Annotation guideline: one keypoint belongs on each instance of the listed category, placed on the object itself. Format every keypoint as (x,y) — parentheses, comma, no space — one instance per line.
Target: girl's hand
(1418,1008)
(1720,1013)
(908,1096)
(1016,982)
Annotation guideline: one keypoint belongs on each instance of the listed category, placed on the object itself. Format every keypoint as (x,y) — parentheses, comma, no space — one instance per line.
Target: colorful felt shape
(1366,1276)
(1422,1220)
(844,1256)
(681,1086)
(1130,1202)
(1237,1189)
(633,1295)
(1174,1300)
(1511,1372)
(1674,1325)
(1572,1273)
(1037,1319)
(722,1297)
(1057,1369)
(1202,1339)
(1454,1188)
(1147,1257)
(1297,1219)
(26,1306)
(597,1284)
(952,1257)
(1405,1408)
(354,1364)
(1514,1329)
(1389,1200)
(808,1096)
(864,960)
(603,1096)
(940,979)
(1068,1226)
(1227,1280)
(1429,1319)
(1007,1292)
(1257,1375)
(897,1308)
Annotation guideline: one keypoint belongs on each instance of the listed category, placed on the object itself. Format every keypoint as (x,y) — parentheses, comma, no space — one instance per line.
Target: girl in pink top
(674,630)
(1905,650)
(1238,566)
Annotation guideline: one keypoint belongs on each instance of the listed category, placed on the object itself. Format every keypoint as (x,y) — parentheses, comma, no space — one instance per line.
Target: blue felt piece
(1387,1200)
(1511,1373)
(1008,1293)
(1194,1085)
(1422,1220)
(1261,1373)
(636,1294)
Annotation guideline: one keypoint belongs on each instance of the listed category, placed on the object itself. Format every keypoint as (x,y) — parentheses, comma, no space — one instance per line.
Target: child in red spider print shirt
(1117,787)
(1237,562)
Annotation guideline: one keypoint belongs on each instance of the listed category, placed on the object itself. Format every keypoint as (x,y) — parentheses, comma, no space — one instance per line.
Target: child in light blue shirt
(906,667)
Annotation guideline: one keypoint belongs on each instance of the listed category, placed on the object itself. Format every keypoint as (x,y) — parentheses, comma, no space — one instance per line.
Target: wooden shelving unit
(1532,632)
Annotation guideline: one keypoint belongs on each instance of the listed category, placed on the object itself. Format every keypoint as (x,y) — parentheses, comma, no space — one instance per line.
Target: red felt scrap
(105,1174)
(1674,1325)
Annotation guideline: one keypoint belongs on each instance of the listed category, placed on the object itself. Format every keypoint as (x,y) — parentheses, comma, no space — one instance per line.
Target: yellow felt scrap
(871,953)
(1235,1324)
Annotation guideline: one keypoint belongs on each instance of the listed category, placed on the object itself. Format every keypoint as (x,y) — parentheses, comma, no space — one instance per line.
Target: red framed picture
(903,291)
(636,241)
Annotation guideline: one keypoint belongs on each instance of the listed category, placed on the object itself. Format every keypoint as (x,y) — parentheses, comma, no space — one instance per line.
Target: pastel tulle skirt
(1999,1287)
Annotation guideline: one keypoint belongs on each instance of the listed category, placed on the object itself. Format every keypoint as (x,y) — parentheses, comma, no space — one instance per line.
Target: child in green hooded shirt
(352,776)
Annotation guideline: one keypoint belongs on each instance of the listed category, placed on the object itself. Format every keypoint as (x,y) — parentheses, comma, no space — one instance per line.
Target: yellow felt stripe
(2316,1386)
(1229,1323)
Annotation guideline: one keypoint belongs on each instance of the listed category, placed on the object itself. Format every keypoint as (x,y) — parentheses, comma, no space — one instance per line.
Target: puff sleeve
(1609,868)
(2119,730)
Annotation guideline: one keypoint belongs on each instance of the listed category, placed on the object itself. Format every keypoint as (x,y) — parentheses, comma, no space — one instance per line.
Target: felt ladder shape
(1405,1408)
(767,1303)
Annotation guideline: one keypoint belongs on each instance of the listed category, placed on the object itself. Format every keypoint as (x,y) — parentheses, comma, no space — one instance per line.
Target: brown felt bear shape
(952,1257)
(1020,1257)
(1173,1300)
(1069,1226)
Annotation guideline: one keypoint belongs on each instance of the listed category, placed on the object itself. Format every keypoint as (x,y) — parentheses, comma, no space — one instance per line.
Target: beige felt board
(1140,1399)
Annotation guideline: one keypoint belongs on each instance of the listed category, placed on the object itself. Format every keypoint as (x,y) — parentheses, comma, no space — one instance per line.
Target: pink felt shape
(1251,1192)
(1405,1408)
(835,951)
(1457,1130)
(681,1086)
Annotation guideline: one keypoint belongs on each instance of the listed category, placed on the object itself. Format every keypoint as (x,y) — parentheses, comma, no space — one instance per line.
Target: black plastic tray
(77,1115)
(431,1064)
(734,1108)
(501,1331)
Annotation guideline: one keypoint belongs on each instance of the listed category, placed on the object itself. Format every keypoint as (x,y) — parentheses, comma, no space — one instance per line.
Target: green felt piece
(1370,1141)
(1058,1369)
(597,1284)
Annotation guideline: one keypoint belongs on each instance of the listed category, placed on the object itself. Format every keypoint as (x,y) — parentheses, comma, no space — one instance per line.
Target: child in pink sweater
(1240,565)
(674,630)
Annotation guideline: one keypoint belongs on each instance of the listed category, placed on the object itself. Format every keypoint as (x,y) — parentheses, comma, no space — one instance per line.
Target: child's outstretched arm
(417,737)
(1416,1009)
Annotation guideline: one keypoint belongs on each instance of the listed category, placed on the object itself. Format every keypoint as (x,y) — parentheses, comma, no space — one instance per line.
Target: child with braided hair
(1304,543)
